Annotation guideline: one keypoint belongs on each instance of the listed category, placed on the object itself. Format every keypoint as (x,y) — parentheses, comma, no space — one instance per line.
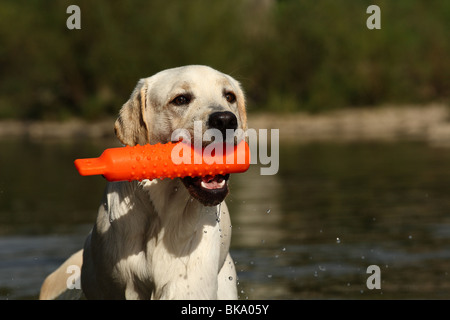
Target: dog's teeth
(213,184)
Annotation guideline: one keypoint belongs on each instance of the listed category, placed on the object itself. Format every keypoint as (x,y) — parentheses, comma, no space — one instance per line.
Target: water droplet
(175,189)
(338,240)
(269,276)
(268,211)
(322,268)
(410,237)
(284,249)
(230,278)
(205,231)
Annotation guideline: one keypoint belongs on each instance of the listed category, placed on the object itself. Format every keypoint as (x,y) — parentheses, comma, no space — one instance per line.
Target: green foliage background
(289,55)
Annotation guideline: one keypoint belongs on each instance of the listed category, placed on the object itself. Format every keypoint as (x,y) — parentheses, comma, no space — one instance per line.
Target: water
(309,232)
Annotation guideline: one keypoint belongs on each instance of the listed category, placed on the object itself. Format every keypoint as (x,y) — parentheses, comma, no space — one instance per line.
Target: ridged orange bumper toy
(170,160)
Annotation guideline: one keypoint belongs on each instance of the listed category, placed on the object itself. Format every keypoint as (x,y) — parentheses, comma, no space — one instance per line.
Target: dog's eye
(181,100)
(231,98)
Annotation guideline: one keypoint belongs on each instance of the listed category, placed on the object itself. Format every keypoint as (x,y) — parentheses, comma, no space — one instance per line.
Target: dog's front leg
(131,293)
(227,289)
(188,290)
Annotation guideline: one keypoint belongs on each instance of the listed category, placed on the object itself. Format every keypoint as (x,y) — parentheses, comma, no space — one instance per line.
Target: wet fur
(156,239)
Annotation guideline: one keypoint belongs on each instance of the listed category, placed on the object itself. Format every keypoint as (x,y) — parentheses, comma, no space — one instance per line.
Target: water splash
(218,213)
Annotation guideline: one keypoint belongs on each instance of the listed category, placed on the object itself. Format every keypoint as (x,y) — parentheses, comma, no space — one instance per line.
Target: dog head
(175,99)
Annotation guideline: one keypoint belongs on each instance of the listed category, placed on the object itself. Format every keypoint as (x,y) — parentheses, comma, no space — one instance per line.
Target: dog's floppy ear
(241,107)
(131,127)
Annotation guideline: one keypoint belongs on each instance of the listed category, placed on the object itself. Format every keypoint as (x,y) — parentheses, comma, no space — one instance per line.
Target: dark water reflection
(309,232)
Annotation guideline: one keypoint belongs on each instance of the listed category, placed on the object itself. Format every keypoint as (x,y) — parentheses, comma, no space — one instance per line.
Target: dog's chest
(185,268)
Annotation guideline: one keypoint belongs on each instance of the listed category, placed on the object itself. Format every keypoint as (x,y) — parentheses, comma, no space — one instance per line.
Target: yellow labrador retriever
(163,239)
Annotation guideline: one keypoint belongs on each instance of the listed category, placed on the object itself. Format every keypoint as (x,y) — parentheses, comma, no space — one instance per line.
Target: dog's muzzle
(212,190)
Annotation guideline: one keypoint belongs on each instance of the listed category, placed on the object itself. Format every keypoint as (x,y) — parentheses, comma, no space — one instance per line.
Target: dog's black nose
(222,121)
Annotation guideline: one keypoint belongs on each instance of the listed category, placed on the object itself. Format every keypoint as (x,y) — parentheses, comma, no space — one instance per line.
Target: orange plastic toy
(161,161)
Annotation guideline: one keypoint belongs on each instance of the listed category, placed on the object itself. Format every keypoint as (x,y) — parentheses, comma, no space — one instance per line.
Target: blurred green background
(290,55)
(309,231)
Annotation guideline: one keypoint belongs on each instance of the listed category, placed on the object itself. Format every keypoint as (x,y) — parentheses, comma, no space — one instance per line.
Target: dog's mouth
(209,190)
